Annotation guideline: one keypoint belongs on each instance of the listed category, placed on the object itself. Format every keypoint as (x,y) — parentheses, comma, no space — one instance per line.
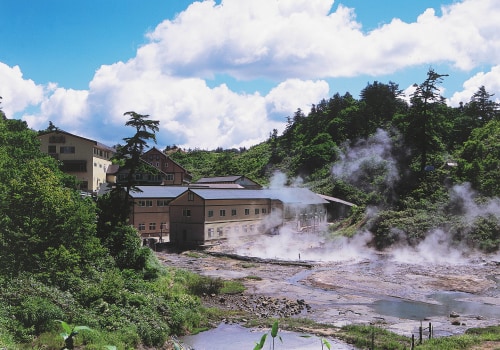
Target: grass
(232,287)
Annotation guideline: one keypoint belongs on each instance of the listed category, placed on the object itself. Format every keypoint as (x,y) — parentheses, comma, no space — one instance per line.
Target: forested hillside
(413,166)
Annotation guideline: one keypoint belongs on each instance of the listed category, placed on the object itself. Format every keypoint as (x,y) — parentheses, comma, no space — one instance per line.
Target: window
(169,177)
(264,210)
(233,212)
(247,211)
(152,226)
(57,139)
(210,232)
(141,227)
(222,212)
(210,213)
(186,212)
(74,165)
(256,211)
(162,202)
(138,176)
(145,203)
(220,233)
(190,196)
(67,149)
(52,149)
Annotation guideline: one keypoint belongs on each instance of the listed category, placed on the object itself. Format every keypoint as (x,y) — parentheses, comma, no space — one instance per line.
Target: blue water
(232,337)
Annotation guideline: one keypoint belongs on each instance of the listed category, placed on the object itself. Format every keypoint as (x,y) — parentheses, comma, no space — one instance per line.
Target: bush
(39,313)
(199,285)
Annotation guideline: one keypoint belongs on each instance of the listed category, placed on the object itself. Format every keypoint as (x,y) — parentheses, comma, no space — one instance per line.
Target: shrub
(39,313)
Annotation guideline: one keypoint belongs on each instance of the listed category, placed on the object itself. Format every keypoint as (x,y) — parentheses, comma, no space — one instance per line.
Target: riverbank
(379,290)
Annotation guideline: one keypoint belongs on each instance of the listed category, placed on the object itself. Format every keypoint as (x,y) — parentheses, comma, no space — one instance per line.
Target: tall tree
(425,124)
(129,155)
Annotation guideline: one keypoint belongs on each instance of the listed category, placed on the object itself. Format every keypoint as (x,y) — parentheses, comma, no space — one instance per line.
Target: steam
(360,165)
(366,160)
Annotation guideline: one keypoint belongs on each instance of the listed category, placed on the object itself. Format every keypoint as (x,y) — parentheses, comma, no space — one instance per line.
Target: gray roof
(158,191)
(287,195)
(216,179)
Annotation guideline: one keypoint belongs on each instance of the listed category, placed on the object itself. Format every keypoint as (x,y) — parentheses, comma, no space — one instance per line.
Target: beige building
(204,216)
(86,159)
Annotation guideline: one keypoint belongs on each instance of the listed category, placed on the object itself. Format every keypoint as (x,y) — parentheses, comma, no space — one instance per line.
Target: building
(86,159)
(202,216)
(158,169)
(150,213)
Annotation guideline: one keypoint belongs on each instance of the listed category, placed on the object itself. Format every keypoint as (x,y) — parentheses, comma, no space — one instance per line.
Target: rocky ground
(375,290)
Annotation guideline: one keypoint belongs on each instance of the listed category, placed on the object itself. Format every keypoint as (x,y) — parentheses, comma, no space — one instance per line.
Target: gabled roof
(158,191)
(97,143)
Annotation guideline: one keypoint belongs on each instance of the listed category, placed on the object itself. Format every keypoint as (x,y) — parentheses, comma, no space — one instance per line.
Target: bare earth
(345,292)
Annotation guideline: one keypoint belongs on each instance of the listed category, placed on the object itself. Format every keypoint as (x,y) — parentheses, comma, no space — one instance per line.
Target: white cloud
(17,93)
(294,93)
(296,44)
(304,40)
(490,80)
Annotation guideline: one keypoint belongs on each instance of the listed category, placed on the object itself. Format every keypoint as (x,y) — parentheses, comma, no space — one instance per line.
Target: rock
(453,314)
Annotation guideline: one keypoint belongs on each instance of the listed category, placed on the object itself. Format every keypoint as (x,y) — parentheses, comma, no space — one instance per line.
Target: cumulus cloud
(17,93)
(490,80)
(298,45)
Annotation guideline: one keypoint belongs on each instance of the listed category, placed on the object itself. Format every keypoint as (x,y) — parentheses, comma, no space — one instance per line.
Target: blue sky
(225,73)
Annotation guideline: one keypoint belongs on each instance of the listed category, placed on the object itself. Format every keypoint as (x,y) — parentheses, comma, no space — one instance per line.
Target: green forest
(411,166)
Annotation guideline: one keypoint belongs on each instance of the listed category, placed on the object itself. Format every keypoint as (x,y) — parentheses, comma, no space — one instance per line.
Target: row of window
(62,149)
(101,153)
(221,232)
(152,226)
(149,203)
(148,177)
(234,212)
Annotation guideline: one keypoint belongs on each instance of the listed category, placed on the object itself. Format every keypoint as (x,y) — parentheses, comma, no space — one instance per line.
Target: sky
(226,73)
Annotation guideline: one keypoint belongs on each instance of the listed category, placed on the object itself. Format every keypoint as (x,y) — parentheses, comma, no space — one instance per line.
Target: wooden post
(420,333)
(430,330)
(412,341)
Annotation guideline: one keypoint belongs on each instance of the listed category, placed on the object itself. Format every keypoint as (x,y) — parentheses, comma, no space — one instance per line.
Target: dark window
(57,139)
(222,212)
(52,149)
(190,196)
(67,149)
(74,165)
(247,211)
(210,213)
(186,212)
(233,212)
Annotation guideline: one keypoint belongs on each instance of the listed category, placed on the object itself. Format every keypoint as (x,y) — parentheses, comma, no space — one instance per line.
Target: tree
(425,119)
(114,207)
(129,155)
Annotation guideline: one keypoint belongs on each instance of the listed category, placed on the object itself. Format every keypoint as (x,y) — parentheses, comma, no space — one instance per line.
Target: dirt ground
(375,290)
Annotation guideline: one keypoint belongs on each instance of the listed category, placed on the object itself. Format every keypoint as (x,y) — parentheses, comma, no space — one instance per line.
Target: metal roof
(215,179)
(286,195)
(158,191)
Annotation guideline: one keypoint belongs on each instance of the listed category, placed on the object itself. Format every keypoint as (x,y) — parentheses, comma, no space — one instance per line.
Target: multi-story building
(158,169)
(150,213)
(86,159)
